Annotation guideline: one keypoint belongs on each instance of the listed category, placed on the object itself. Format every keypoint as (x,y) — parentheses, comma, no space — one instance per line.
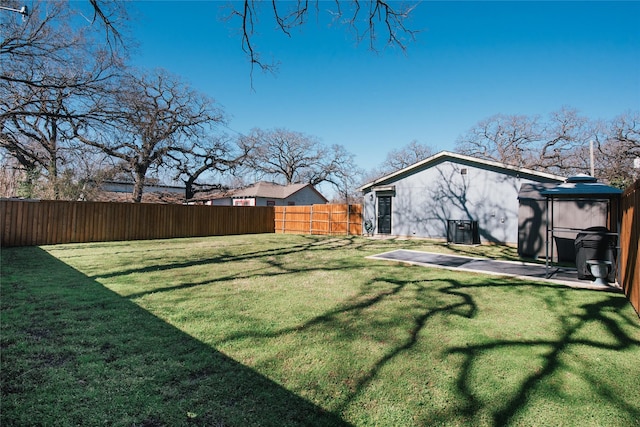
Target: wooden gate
(333,219)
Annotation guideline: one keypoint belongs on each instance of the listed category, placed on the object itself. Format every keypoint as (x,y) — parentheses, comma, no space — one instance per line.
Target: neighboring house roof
(155,197)
(461,158)
(121,191)
(127,187)
(268,190)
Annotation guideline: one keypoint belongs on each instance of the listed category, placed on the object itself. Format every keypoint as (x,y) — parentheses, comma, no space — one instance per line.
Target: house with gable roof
(267,194)
(448,195)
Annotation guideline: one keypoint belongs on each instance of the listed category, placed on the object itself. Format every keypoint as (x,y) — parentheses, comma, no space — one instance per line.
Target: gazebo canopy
(582,186)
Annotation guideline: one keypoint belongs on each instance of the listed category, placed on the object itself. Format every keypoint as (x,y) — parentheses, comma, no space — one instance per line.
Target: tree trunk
(138,186)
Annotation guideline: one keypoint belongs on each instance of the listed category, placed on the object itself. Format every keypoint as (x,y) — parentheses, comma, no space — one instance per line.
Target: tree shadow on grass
(553,351)
(269,257)
(342,318)
(311,243)
(428,297)
(75,353)
(461,303)
(572,335)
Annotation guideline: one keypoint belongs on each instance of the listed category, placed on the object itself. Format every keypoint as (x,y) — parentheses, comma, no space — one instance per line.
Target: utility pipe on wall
(593,168)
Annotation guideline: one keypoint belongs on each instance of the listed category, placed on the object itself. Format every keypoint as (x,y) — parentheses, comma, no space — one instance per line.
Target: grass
(291,330)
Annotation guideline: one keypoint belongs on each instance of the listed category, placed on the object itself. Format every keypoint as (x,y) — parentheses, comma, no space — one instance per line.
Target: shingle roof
(269,190)
(446,155)
(153,197)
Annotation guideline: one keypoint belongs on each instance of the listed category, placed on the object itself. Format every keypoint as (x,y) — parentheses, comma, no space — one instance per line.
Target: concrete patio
(560,275)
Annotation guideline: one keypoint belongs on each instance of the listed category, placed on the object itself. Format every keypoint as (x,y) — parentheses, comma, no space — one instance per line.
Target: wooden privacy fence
(48,222)
(319,219)
(629,242)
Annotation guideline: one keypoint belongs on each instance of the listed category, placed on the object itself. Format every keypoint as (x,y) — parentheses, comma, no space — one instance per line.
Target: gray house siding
(580,214)
(306,196)
(451,187)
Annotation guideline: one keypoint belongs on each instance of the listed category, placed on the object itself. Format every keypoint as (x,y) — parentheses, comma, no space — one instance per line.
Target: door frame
(380,217)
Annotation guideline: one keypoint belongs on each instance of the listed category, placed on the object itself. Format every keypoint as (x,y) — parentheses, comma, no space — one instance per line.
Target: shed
(532,220)
(583,193)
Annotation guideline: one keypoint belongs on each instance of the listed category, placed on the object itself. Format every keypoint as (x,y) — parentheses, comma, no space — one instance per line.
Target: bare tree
(113,16)
(561,139)
(56,46)
(559,144)
(617,149)
(364,18)
(502,138)
(52,66)
(212,155)
(15,179)
(37,140)
(294,157)
(530,142)
(152,115)
(281,154)
(367,19)
(397,159)
(408,155)
(36,129)
(343,174)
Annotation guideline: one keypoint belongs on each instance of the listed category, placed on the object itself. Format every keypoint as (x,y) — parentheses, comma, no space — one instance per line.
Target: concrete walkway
(522,270)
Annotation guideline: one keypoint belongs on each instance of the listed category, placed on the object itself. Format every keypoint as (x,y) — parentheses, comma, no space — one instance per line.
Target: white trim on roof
(456,156)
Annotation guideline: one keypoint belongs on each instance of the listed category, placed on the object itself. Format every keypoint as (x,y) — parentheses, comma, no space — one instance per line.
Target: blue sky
(471,60)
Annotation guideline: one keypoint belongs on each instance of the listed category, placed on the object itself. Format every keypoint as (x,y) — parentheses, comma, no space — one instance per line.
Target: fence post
(311,221)
(284,218)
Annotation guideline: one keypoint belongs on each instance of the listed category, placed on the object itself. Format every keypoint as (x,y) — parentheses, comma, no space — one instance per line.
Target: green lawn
(280,330)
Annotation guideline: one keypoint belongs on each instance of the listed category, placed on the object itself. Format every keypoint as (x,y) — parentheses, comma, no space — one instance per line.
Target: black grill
(595,243)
